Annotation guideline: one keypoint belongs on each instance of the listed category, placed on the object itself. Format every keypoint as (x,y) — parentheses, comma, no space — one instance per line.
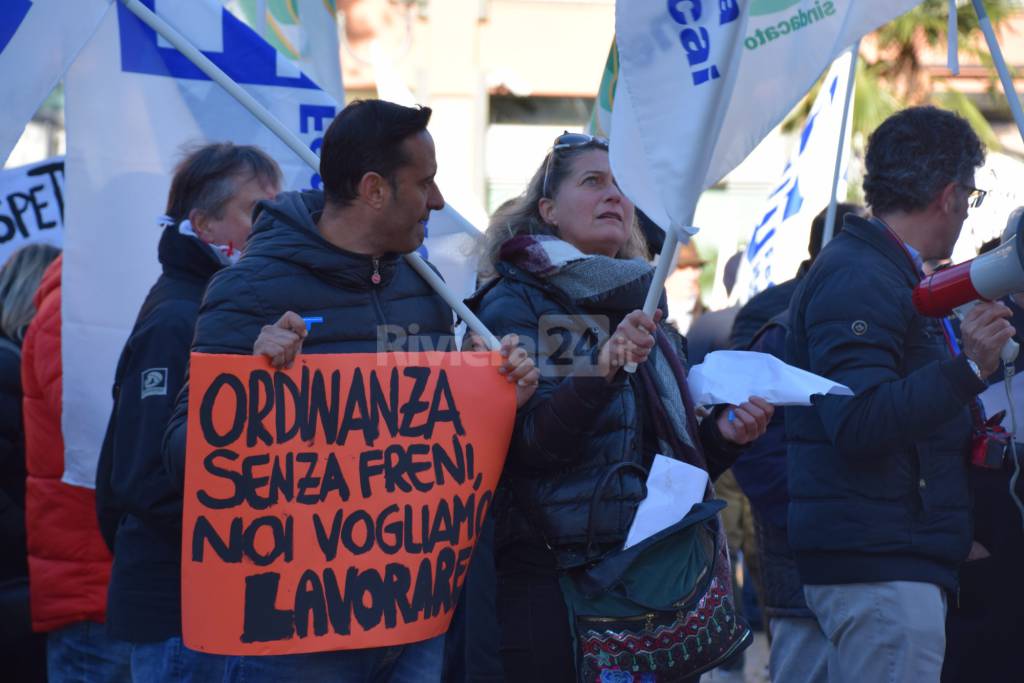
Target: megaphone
(989,277)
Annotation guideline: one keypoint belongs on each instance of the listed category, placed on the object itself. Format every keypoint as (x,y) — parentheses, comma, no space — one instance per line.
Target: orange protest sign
(335,505)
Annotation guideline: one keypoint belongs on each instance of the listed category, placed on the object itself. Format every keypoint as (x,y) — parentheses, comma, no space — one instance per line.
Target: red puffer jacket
(69,564)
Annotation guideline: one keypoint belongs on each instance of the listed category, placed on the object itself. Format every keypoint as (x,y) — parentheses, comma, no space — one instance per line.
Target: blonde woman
(565,269)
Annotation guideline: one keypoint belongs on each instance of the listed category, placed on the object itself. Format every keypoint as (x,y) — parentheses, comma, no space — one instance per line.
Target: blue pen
(731,417)
(312,320)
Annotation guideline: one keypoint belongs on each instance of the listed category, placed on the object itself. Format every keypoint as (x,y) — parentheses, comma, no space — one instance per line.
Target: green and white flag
(601,118)
(305,31)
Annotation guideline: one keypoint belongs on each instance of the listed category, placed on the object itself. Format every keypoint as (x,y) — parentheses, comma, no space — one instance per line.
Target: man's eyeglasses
(974,196)
(569,140)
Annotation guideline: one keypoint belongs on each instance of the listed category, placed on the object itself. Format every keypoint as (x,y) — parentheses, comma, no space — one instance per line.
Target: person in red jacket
(69,564)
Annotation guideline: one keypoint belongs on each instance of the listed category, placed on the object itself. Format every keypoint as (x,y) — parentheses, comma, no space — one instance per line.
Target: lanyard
(947,331)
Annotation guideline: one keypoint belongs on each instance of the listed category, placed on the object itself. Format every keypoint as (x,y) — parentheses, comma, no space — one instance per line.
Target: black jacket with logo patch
(877,482)
(139,507)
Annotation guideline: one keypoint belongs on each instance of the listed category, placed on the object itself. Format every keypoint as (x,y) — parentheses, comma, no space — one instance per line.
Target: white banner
(132,103)
(31,206)
(778,243)
(702,82)
(38,40)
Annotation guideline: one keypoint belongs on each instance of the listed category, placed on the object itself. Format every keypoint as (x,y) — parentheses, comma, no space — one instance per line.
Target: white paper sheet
(673,488)
(994,400)
(734,376)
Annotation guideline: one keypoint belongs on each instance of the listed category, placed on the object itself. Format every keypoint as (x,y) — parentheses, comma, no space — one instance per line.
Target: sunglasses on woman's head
(569,140)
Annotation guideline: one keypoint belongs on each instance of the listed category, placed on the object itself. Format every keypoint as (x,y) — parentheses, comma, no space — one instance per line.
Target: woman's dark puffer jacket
(572,430)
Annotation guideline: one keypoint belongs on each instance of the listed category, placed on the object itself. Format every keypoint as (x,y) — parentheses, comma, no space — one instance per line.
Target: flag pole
(218,76)
(830,216)
(1000,62)
(663,268)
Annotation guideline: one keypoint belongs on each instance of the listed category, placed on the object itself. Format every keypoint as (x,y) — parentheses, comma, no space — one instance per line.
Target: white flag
(38,40)
(702,82)
(132,102)
(779,241)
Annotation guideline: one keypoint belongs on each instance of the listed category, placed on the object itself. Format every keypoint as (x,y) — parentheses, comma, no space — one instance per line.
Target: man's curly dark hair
(914,154)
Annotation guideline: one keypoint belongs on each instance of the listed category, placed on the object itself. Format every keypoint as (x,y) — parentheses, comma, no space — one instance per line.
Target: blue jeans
(415,663)
(169,661)
(84,653)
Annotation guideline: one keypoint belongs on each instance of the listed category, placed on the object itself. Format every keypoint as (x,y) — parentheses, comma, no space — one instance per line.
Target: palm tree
(896,77)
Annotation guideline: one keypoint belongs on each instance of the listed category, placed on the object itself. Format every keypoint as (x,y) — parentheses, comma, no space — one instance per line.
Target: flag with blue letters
(38,40)
(778,243)
(701,82)
(132,103)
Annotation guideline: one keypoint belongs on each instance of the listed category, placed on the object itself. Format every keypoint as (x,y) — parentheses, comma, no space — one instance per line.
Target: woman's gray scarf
(615,287)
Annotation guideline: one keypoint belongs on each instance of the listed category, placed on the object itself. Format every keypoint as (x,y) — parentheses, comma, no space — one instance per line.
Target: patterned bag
(659,612)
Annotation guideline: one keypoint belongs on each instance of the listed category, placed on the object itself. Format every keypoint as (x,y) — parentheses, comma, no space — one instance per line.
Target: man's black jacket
(288,266)
(139,507)
(878,482)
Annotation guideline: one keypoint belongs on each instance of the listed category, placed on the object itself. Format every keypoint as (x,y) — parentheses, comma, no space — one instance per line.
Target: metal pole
(292,141)
(1004,71)
(830,216)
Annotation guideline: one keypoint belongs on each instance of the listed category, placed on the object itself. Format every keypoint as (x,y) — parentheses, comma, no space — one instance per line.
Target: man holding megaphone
(879,517)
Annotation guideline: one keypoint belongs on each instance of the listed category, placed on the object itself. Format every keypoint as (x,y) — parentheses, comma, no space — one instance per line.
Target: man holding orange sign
(332,503)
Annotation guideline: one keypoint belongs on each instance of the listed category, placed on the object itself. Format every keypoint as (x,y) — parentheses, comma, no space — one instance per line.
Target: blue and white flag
(778,243)
(132,103)
(38,40)
(701,82)
(306,31)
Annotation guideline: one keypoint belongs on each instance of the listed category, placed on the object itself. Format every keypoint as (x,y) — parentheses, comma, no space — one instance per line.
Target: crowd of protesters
(881,554)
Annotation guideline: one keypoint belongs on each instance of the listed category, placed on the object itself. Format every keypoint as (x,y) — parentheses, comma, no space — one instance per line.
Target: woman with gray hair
(19,280)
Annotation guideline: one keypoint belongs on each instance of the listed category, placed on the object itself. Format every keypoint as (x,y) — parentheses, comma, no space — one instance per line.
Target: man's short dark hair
(818,225)
(366,137)
(207,177)
(914,154)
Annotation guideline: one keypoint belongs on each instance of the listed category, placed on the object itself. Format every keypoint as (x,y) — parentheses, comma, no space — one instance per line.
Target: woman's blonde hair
(521,215)
(19,280)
